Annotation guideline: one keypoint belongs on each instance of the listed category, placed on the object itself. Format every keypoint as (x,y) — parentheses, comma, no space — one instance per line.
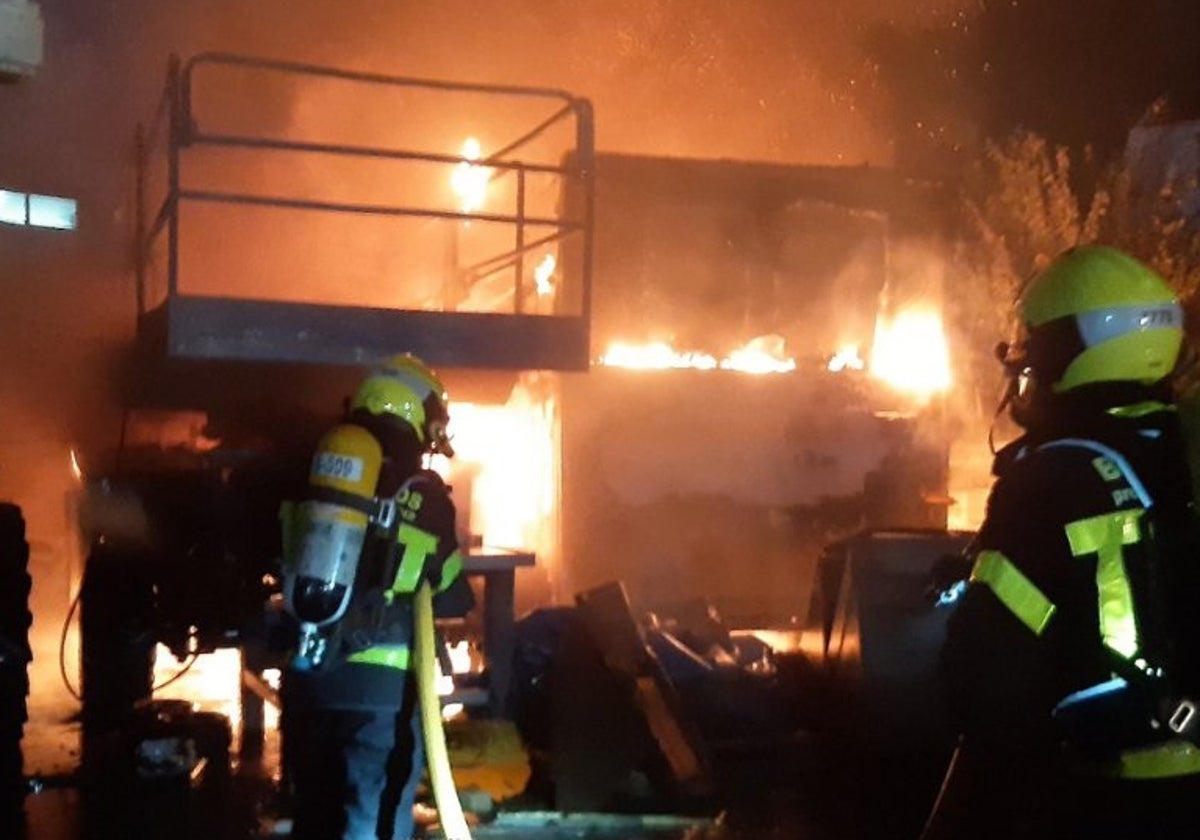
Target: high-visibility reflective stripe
(389,656)
(1105,536)
(1174,758)
(418,546)
(1089,694)
(451,569)
(1015,591)
(1140,409)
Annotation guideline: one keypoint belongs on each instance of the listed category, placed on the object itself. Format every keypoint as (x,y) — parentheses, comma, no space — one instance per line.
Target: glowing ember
(778,640)
(846,358)
(543,275)
(468,180)
(911,354)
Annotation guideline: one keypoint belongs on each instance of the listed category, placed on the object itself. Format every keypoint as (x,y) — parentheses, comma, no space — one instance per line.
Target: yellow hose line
(450,813)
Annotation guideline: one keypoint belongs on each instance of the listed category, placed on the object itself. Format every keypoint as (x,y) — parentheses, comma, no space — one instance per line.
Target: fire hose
(450,813)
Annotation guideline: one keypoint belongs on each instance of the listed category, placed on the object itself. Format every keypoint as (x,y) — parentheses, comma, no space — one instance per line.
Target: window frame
(28,200)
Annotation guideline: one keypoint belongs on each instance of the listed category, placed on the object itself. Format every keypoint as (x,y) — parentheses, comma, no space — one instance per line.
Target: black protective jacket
(1016,772)
(374,619)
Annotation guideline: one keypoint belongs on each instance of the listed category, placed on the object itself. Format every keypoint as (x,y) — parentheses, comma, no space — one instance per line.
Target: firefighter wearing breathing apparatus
(1071,662)
(375,526)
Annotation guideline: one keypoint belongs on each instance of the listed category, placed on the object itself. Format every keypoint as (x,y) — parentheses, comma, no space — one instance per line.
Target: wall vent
(21,37)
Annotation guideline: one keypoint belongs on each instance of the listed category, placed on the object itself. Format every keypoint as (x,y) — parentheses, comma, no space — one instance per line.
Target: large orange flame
(911,354)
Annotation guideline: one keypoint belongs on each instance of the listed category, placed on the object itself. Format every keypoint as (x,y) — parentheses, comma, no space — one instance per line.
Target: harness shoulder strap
(1115,457)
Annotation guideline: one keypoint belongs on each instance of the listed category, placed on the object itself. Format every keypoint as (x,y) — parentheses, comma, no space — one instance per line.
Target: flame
(468,180)
(460,663)
(76,470)
(764,354)
(211,683)
(506,461)
(911,353)
(846,358)
(543,275)
(657,355)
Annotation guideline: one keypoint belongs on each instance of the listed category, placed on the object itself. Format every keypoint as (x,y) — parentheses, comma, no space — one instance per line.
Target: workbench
(497,569)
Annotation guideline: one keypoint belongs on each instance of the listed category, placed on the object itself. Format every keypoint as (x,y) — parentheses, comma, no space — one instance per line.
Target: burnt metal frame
(175,114)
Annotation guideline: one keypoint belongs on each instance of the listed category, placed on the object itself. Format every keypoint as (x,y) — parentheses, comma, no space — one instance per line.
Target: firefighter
(375,525)
(1071,660)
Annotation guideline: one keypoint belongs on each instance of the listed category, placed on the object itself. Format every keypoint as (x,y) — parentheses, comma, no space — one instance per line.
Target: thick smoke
(777,81)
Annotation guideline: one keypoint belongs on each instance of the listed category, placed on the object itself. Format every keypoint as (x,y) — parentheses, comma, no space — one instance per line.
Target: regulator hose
(450,813)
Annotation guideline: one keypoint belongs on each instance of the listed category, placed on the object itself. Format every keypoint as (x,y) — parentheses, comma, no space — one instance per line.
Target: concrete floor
(800,789)
(785,792)
(61,807)
(778,798)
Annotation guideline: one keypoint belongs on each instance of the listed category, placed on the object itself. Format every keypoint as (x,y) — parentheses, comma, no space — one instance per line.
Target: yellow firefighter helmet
(1098,315)
(405,388)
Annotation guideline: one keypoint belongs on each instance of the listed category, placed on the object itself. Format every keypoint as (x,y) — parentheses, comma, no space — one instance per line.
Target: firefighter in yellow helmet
(375,525)
(1071,661)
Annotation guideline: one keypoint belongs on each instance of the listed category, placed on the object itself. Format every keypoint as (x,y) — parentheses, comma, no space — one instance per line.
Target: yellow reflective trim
(288,528)
(389,656)
(1140,409)
(1174,758)
(451,569)
(1105,536)
(418,546)
(1015,591)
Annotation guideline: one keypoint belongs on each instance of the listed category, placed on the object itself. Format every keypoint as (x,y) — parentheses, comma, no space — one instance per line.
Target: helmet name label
(1164,316)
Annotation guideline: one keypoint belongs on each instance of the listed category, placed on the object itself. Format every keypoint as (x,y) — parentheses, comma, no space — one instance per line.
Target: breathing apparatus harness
(1138,705)
(325,536)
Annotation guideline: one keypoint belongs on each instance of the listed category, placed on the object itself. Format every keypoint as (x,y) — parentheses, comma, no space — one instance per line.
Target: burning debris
(759,355)
(910,354)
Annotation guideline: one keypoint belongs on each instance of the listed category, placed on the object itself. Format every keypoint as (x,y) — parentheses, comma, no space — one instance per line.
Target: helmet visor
(1102,325)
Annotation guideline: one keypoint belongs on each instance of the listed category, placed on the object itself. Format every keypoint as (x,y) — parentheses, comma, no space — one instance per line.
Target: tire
(116,640)
(15,620)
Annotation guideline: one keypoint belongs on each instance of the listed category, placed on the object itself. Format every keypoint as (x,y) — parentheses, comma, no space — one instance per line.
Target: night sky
(877,81)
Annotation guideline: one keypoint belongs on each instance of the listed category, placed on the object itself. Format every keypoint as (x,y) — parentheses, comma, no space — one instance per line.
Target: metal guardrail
(175,130)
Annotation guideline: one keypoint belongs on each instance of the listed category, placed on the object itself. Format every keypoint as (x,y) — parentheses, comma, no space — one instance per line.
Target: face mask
(1021,393)
(1023,404)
